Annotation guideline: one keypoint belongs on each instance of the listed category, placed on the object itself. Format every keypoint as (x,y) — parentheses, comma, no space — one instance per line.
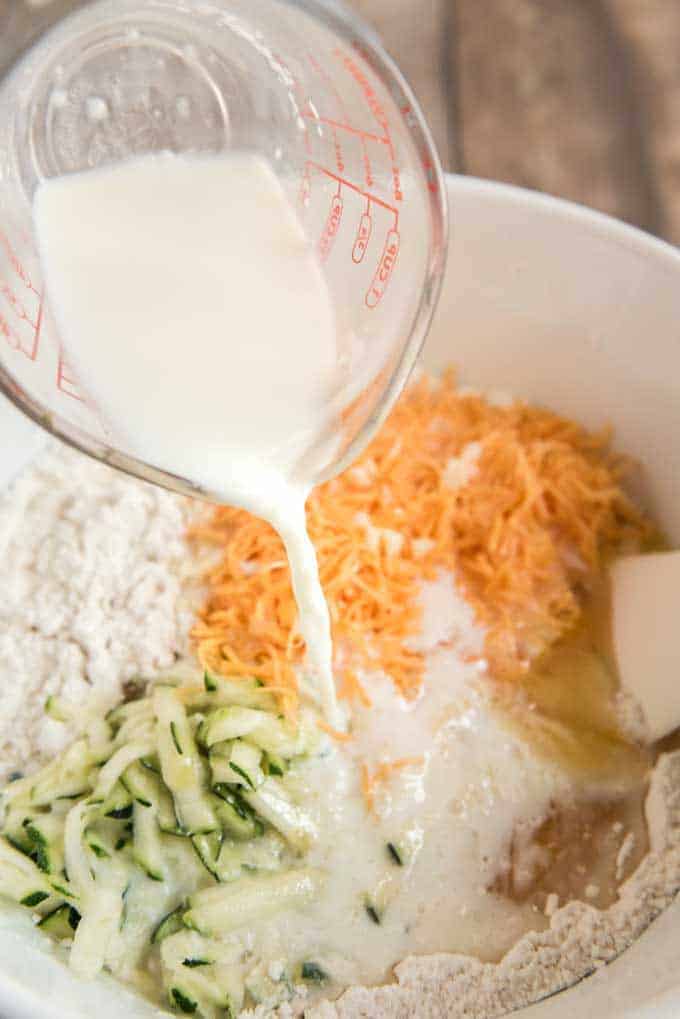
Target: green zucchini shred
(242,774)
(395,855)
(182,1001)
(34,899)
(61,923)
(372,912)
(312,973)
(274,765)
(170,924)
(175,738)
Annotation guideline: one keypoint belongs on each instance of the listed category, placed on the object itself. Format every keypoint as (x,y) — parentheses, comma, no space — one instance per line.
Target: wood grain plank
(548,101)
(414,34)
(652,33)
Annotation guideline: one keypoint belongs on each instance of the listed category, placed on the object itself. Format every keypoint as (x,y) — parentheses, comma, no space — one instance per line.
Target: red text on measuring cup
(20,303)
(331,228)
(384,271)
(362,238)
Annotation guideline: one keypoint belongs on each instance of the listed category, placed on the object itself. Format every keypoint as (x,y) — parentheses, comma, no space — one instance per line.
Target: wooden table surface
(579,98)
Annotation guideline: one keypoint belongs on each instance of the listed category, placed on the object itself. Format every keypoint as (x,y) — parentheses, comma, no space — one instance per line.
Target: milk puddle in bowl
(213,838)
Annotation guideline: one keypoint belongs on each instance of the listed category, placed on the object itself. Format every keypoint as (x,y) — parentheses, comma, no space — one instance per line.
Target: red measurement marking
(370,95)
(38,327)
(331,228)
(339,158)
(368,169)
(383,274)
(431,175)
(344,122)
(408,115)
(65,380)
(13,260)
(340,126)
(378,111)
(396,175)
(362,238)
(23,338)
(10,336)
(330,84)
(305,189)
(369,196)
(16,304)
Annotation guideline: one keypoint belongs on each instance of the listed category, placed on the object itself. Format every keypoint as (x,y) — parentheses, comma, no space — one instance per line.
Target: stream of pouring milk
(195,313)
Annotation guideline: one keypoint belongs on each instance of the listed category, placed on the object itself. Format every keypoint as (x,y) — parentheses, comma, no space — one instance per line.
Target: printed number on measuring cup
(384,270)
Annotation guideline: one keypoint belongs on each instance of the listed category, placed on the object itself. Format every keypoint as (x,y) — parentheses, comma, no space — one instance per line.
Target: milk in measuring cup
(196,315)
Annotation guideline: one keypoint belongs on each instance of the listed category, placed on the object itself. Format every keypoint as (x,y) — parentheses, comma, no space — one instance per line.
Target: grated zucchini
(181,766)
(170,924)
(237,818)
(230,723)
(68,777)
(61,923)
(237,763)
(271,802)
(312,973)
(146,787)
(57,709)
(221,909)
(117,765)
(210,691)
(146,843)
(46,835)
(20,879)
(179,796)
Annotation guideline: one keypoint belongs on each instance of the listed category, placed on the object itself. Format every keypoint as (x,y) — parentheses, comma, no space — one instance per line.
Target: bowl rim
(617,230)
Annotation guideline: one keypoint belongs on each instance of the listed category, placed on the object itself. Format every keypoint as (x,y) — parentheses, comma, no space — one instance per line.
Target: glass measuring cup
(301,83)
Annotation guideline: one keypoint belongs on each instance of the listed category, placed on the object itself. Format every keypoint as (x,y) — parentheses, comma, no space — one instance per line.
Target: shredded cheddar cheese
(519,503)
(371,783)
(341,737)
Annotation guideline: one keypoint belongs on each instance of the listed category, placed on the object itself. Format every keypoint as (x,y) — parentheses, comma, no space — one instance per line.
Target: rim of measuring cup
(355,31)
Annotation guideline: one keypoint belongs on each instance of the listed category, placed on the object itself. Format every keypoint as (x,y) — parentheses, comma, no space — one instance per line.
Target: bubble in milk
(59,98)
(133,34)
(183,107)
(190,51)
(97,108)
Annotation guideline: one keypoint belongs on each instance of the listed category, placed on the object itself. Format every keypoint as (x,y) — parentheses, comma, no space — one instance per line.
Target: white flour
(90,567)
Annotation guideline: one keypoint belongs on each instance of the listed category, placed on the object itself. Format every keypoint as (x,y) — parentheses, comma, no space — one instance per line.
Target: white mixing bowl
(561,305)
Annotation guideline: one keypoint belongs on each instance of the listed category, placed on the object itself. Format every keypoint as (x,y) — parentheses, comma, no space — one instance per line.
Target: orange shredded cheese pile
(524,530)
